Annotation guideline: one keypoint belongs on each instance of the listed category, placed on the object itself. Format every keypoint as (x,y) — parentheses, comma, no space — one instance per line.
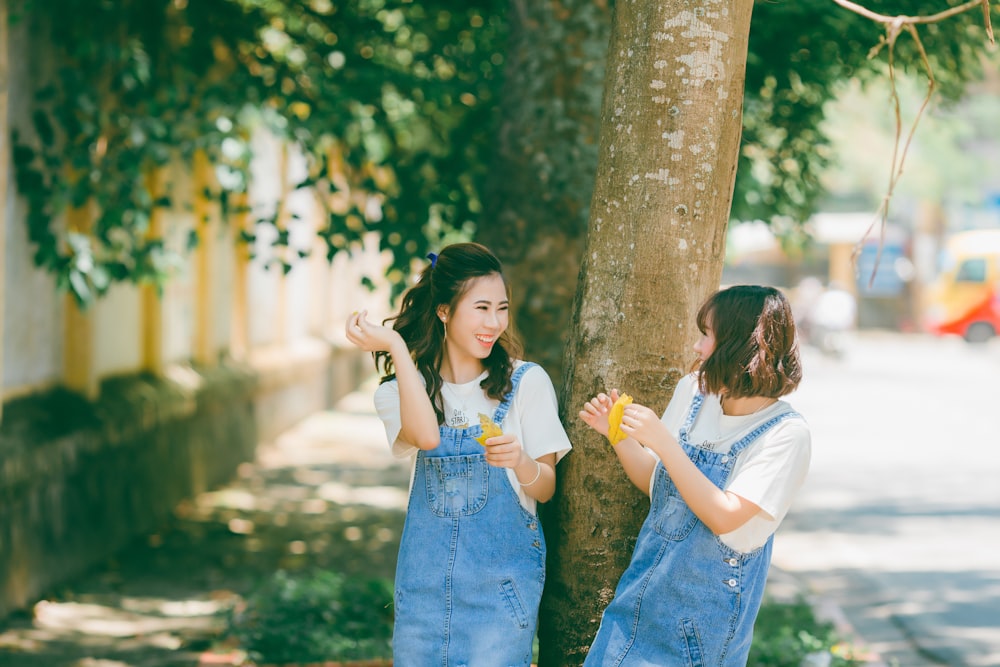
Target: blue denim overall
(471,560)
(686,599)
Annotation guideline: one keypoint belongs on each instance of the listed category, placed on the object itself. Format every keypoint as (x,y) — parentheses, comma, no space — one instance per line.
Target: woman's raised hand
(595,411)
(369,336)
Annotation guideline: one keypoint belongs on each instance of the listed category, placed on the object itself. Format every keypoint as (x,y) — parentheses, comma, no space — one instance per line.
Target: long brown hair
(756,348)
(443,282)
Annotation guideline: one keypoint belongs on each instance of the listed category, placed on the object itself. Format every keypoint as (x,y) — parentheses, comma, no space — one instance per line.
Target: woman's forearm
(417,417)
(537,477)
(637,462)
(720,510)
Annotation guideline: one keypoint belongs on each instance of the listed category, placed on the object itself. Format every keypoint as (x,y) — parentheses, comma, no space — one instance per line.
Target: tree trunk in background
(535,205)
(670,135)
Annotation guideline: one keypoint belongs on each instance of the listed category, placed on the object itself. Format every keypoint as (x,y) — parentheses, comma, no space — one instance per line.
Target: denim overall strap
(686,598)
(692,414)
(749,438)
(515,379)
(471,563)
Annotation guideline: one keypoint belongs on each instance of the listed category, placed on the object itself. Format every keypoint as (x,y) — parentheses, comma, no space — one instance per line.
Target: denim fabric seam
(456,615)
(718,616)
(452,551)
(475,464)
(689,633)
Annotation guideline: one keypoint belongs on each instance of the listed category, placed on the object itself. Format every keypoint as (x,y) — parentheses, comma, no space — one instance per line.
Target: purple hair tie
(434,259)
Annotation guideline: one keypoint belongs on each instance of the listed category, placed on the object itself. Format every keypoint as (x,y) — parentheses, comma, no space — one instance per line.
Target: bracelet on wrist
(538,473)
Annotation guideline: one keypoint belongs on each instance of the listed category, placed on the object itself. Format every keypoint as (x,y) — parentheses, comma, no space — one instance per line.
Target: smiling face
(478,318)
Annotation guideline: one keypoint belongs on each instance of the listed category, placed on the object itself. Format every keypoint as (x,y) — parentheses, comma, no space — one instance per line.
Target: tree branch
(894,25)
(913,20)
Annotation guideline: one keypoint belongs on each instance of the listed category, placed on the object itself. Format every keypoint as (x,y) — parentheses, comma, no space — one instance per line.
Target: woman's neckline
(742,410)
(476,379)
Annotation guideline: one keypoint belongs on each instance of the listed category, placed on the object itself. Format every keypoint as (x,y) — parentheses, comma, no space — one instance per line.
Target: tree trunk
(670,135)
(535,213)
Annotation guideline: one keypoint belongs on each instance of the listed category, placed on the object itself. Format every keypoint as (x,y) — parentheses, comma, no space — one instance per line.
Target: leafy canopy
(390,102)
(393,103)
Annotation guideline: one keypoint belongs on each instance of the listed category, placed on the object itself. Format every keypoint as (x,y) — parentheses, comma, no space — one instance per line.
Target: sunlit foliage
(394,103)
(389,99)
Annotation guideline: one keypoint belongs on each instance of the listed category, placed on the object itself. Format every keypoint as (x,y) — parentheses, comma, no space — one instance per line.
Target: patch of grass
(322,615)
(788,634)
(313,617)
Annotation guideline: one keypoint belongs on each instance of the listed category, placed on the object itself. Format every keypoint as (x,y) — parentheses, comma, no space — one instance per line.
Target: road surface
(899,521)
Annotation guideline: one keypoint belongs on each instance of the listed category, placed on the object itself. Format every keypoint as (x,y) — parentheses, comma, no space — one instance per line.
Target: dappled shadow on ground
(325,495)
(951,621)
(881,518)
(918,577)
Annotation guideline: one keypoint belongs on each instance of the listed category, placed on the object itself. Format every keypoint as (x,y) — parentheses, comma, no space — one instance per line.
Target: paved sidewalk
(325,494)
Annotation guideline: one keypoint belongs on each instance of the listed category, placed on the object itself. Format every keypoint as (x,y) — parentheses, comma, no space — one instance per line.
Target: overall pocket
(673,519)
(514,605)
(691,643)
(456,485)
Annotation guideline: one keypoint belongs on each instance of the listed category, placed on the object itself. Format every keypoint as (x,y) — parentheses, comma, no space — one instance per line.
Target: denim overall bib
(471,560)
(686,598)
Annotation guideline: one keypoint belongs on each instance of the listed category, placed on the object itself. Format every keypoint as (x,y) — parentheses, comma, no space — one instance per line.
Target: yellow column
(4,152)
(152,301)
(842,265)
(204,269)
(78,341)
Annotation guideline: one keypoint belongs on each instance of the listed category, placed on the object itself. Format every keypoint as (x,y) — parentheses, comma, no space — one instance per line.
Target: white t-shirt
(768,473)
(533,417)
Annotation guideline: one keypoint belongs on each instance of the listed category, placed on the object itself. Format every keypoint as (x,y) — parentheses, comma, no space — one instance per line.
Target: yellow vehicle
(965,298)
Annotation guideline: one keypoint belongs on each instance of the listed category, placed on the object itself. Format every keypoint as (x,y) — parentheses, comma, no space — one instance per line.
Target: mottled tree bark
(670,136)
(536,204)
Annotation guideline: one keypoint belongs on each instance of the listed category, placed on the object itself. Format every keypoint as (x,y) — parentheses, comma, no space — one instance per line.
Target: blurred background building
(898,271)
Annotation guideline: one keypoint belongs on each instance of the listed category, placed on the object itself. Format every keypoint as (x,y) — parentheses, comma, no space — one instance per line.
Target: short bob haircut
(756,348)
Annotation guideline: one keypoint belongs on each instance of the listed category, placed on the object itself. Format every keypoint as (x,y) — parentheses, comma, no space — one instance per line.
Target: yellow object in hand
(615,433)
(490,429)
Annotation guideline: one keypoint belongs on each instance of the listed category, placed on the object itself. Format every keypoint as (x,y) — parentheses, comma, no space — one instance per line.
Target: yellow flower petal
(490,429)
(615,434)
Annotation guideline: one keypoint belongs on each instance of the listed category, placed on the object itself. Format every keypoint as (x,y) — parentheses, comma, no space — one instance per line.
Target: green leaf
(79,288)
(22,155)
(43,127)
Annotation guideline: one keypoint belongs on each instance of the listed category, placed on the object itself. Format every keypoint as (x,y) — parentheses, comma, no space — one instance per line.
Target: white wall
(297,284)
(33,324)
(118,331)
(263,285)
(222,295)
(179,293)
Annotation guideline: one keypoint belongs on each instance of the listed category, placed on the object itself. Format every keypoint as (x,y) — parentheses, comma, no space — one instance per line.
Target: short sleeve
(771,471)
(538,412)
(677,409)
(387,408)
